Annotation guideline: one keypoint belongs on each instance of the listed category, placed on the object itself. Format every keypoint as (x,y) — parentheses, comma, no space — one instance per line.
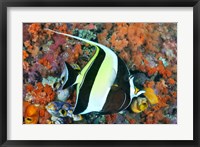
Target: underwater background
(148,49)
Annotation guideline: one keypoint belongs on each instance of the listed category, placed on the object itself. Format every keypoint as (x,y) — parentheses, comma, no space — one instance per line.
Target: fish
(104,85)
(61,110)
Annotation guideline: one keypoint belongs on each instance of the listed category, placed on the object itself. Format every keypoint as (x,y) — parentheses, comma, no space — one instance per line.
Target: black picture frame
(4,4)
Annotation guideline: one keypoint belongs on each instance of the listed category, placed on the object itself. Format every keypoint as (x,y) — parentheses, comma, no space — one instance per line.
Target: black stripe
(84,93)
(72,75)
(115,100)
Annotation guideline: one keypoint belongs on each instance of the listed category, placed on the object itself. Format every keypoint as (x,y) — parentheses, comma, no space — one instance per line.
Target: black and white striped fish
(104,85)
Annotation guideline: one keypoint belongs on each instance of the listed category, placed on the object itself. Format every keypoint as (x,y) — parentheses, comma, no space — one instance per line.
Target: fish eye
(54,85)
(63,112)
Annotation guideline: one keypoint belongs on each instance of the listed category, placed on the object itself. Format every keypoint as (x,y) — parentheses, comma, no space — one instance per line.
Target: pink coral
(58,40)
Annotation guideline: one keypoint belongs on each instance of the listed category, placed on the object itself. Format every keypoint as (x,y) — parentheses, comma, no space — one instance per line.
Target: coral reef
(148,49)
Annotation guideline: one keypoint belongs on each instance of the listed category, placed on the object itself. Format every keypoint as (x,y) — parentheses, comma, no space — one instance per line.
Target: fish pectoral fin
(115,87)
(79,79)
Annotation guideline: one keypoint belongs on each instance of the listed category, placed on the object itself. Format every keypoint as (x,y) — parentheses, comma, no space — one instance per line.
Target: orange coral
(45,63)
(62,28)
(44,115)
(118,40)
(29,87)
(74,54)
(108,26)
(130,120)
(32,49)
(34,30)
(161,87)
(31,114)
(25,54)
(163,71)
(25,65)
(102,38)
(118,45)
(158,115)
(174,94)
(136,35)
(171,81)
(124,55)
(25,105)
(149,84)
(137,58)
(43,94)
(77,50)
(28,45)
(143,34)
(151,71)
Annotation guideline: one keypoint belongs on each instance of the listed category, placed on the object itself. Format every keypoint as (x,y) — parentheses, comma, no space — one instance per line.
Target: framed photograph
(100,73)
